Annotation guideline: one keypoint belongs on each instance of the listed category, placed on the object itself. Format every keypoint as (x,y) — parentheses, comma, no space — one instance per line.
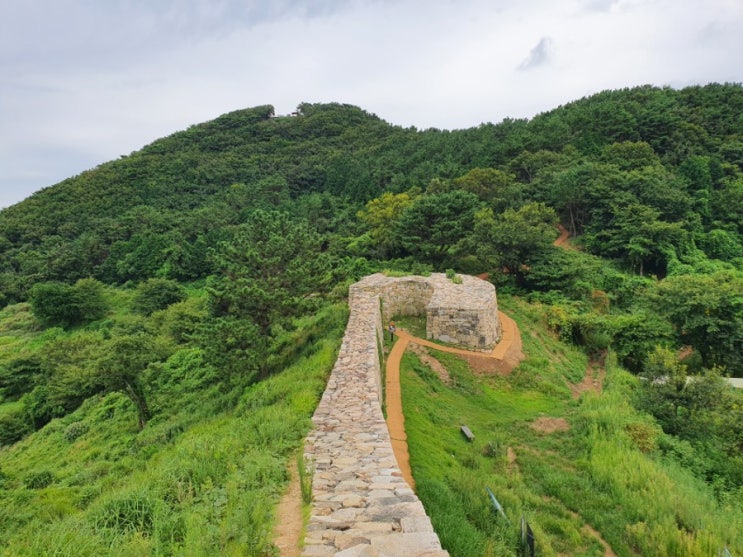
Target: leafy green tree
(434,224)
(639,236)
(707,312)
(721,244)
(58,304)
(583,194)
(700,409)
(527,165)
(510,240)
(236,347)
(630,155)
(273,270)
(71,364)
(54,303)
(495,187)
(636,335)
(155,294)
(727,205)
(20,375)
(14,426)
(381,215)
(123,366)
(270,271)
(142,256)
(91,298)
(665,380)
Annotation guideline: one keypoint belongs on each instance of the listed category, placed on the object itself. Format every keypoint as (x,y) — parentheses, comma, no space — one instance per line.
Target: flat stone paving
(362,506)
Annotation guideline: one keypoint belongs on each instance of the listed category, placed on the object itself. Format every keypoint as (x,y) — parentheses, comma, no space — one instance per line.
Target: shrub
(133,512)
(155,294)
(54,303)
(39,480)
(75,430)
(13,427)
(92,303)
(19,376)
(58,304)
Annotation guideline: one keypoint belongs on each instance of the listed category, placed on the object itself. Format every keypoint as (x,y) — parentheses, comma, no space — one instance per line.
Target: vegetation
(557,461)
(183,301)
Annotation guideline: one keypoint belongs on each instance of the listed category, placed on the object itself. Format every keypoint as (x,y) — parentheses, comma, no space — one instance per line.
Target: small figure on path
(391,328)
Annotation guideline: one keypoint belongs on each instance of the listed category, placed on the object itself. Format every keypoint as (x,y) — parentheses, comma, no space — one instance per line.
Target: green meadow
(601,478)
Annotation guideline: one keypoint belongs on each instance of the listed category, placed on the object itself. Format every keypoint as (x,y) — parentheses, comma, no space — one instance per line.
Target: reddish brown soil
(548,425)
(592,381)
(562,239)
(289,521)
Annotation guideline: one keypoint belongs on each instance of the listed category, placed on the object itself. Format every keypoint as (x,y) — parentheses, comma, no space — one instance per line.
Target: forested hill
(156,209)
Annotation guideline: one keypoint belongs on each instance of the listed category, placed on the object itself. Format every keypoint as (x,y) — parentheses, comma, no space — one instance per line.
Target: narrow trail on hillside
(562,239)
(592,381)
(289,519)
(595,372)
(507,351)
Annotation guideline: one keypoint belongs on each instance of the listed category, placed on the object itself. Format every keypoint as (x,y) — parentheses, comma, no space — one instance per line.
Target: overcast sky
(86,81)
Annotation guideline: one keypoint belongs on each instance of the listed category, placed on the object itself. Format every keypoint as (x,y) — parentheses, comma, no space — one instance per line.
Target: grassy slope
(200,479)
(603,472)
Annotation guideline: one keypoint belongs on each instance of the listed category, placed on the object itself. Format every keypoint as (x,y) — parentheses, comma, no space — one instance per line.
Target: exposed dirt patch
(562,239)
(511,455)
(289,520)
(546,424)
(425,357)
(488,366)
(395,416)
(593,380)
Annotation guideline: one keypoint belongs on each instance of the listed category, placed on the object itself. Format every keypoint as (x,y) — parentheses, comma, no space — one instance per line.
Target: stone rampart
(465,313)
(362,506)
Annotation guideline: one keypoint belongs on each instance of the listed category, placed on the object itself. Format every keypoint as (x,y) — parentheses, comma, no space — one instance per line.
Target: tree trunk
(135,394)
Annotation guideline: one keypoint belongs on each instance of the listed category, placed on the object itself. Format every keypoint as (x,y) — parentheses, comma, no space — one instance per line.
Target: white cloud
(539,55)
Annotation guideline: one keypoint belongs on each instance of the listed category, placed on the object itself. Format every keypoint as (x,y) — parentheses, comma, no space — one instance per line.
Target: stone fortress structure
(465,313)
(362,506)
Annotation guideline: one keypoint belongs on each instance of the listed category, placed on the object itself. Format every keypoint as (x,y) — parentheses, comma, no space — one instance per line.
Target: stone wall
(362,506)
(465,313)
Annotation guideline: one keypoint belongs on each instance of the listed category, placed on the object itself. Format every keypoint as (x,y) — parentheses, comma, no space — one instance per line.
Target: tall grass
(200,479)
(604,472)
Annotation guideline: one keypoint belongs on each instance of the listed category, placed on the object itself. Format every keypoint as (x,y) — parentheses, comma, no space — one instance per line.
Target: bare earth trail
(289,520)
(595,372)
(562,239)
(507,351)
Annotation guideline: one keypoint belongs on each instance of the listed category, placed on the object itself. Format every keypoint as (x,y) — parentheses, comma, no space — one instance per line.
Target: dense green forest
(182,289)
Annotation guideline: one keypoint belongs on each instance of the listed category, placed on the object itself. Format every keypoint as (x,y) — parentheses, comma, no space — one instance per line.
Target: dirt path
(289,520)
(593,380)
(393,401)
(562,239)
(507,351)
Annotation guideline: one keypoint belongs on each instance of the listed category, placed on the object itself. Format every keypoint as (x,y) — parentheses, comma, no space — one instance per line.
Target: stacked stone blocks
(362,506)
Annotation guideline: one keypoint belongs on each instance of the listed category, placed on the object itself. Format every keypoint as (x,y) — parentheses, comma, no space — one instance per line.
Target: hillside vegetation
(169,318)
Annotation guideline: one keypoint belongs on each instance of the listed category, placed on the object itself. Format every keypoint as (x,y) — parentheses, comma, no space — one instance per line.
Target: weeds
(306,471)
(604,472)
